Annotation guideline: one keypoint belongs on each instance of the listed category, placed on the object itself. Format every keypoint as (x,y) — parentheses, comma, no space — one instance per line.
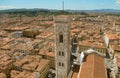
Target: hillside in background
(36,12)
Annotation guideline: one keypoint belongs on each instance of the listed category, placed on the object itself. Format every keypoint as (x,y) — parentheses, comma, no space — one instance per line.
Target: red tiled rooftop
(5,61)
(92,44)
(116,47)
(112,36)
(45,34)
(51,54)
(75,74)
(93,67)
(27,59)
(31,66)
(75,30)
(23,74)
(43,63)
(2,75)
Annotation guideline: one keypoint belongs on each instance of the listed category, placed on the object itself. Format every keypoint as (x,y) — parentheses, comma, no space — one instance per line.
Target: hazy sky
(57,4)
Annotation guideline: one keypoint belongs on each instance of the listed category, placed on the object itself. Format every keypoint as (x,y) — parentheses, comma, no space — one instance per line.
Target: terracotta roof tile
(93,67)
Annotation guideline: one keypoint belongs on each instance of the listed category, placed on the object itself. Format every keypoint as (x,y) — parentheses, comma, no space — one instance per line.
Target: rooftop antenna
(63,6)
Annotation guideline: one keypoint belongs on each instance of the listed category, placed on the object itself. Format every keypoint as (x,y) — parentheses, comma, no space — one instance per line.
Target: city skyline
(57,4)
(49,43)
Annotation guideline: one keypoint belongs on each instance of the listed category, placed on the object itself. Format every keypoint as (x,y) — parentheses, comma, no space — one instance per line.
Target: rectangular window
(61,38)
(62,53)
(59,64)
(62,64)
(59,53)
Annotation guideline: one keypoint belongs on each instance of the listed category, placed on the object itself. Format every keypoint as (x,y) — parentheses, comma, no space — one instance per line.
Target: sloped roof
(93,67)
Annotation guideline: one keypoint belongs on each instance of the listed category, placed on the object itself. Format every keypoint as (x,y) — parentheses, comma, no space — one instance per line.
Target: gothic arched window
(61,38)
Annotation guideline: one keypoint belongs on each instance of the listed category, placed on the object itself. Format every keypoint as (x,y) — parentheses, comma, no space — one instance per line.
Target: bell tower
(62,49)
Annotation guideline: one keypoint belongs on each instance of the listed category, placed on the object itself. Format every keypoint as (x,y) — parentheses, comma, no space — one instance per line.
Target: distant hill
(97,10)
(33,12)
(37,11)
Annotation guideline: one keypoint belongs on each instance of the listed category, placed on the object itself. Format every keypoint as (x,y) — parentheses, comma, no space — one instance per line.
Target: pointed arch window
(61,38)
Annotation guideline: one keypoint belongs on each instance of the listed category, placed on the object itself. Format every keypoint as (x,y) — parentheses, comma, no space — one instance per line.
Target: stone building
(85,45)
(62,49)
